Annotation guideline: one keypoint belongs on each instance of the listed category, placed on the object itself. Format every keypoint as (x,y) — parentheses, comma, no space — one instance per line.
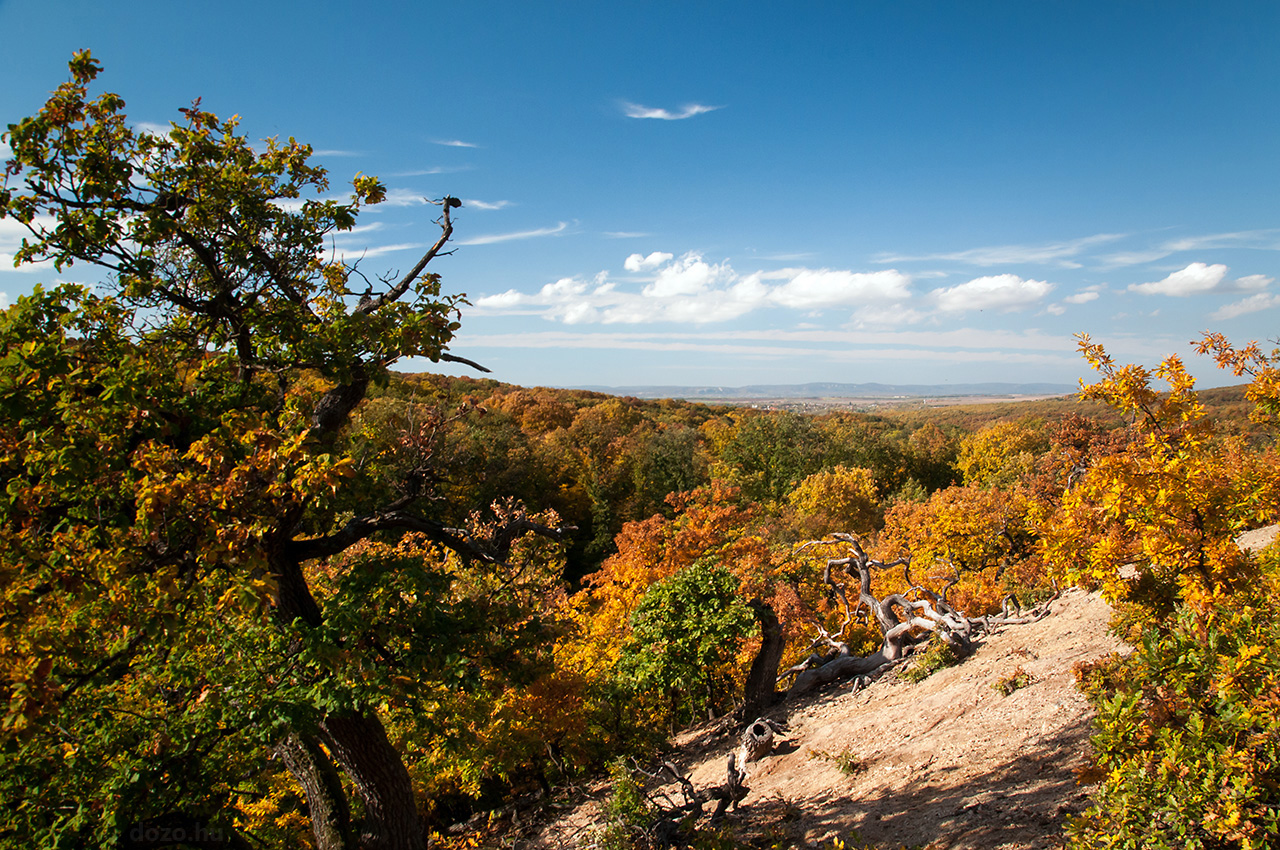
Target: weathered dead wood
(757,740)
(900,618)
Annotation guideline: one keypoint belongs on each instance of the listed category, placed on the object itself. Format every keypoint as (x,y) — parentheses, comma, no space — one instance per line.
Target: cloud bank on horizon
(659,287)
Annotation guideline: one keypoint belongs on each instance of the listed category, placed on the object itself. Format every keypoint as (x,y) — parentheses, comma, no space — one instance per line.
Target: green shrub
(1015,681)
(627,813)
(936,656)
(1188,736)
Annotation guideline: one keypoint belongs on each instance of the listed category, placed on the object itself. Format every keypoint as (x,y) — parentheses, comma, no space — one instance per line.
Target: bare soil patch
(949,763)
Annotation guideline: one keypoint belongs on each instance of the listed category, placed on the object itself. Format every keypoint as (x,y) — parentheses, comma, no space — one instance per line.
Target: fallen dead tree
(904,621)
(672,818)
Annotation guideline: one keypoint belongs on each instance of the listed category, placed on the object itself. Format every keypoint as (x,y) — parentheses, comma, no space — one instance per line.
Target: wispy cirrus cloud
(626,234)
(425,172)
(1059,254)
(689,110)
(1265,240)
(485,205)
(454,143)
(492,238)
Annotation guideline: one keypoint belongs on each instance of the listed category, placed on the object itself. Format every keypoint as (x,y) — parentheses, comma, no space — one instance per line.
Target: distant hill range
(829,390)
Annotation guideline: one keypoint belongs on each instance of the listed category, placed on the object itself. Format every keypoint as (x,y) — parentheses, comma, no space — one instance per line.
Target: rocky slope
(948,763)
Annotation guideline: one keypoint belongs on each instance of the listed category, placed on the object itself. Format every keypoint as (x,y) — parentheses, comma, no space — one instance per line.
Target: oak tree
(177,615)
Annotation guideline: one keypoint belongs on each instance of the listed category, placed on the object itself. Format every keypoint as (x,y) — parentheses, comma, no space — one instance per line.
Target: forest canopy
(256,583)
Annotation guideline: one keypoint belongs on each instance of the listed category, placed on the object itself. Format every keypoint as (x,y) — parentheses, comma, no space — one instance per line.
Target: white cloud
(402,198)
(690,275)
(1259,239)
(689,289)
(1252,304)
(454,143)
(4,300)
(1198,278)
(1251,283)
(485,205)
(635,110)
(641,263)
(6,152)
(887,317)
(151,128)
(1082,297)
(491,238)
(349,254)
(11,235)
(1005,292)
(1050,253)
(333,152)
(893,347)
(626,234)
(809,289)
(423,172)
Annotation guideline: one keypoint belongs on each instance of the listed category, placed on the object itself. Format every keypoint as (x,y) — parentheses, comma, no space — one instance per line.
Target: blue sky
(736,193)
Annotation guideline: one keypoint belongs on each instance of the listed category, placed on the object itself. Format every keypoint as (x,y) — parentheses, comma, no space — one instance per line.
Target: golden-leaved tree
(177,614)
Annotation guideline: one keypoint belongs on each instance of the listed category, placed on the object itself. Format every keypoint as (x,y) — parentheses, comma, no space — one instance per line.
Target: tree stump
(757,740)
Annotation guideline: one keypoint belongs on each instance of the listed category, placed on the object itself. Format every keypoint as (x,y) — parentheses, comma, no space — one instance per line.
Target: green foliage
(1015,681)
(1188,741)
(769,453)
(937,655)
(627,812)
(686,631)
(846,760)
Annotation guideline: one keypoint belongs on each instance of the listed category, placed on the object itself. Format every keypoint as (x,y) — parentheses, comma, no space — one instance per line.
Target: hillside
(946,763)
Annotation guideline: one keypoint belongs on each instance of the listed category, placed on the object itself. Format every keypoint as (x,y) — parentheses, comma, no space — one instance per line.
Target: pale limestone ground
(948,762)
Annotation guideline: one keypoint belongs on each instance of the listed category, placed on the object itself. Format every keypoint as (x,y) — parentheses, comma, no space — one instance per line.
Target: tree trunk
(326,801)
(759,690)
(359,745)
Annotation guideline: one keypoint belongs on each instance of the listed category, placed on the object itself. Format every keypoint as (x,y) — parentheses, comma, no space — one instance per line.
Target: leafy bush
(1188,737)
(686,632)
(627,813)
(1015,681)
(936,656)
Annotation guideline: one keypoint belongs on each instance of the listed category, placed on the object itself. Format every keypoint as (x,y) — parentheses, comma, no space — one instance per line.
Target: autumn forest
(260,585)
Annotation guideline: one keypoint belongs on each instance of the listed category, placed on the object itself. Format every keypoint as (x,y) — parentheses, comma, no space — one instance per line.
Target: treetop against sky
(743,193)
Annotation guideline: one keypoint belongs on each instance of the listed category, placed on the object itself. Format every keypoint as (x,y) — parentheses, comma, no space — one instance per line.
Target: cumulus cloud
(690,275)
(635,110)
(1082,297)
(641,263)
(811,289)
(1252,304)
(1005,292)
(11,236)
(151,128)
(1198,278)
(691,289)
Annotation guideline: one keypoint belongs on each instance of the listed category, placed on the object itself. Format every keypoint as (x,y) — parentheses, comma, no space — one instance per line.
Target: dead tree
(900,619)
